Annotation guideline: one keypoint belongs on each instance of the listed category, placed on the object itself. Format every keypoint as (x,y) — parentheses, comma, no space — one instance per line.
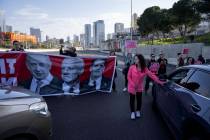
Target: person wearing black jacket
(163,66)
(70,52)
(17,46)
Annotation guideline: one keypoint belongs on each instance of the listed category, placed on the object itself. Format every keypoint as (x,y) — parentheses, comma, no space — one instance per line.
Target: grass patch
(205,38)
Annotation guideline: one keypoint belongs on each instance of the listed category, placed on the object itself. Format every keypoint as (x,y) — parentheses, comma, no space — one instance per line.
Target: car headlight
(40,108)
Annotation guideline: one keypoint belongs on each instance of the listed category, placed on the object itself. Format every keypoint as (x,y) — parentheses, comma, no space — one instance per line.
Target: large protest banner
(50,75)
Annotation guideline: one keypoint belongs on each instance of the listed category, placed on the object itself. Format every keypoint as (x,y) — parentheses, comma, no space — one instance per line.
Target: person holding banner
(136,75)
(42,81)
(70,52)
(17,46)
(97,81)
(72,68)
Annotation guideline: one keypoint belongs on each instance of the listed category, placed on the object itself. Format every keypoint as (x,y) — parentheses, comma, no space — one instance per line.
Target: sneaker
(125,89)
(133,116)
(138,114)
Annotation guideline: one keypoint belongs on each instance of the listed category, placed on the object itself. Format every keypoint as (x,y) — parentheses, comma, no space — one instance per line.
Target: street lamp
(131,18)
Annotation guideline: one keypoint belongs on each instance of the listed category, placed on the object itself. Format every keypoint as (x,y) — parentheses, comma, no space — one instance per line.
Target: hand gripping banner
(50,75)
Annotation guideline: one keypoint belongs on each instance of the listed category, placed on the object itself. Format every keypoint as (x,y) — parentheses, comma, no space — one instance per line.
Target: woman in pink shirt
(135,77)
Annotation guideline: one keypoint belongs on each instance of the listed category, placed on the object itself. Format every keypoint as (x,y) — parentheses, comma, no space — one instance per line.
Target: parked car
(23,115)
(184,102)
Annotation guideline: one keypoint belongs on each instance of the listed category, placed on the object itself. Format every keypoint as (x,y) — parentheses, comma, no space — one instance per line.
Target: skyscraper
(8,28)
(118,27)
(134,21)
(36,32)
(76,39)
(68,39)
(82,40)
(98,32)
(87,35)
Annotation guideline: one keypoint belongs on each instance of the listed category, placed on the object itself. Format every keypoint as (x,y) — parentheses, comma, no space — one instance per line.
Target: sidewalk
(171,61)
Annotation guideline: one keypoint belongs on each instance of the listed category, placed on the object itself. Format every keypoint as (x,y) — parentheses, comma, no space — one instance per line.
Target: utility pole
(131,19)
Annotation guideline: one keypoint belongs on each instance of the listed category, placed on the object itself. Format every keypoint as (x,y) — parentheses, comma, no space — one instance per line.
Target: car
(23,115)
(184,102)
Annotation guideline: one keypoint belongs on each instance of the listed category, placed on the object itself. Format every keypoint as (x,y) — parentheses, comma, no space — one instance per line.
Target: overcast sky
(62,18)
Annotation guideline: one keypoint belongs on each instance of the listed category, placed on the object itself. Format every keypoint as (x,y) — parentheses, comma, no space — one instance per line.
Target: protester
(200,60)
(162,66)
(112,53)
(135,77)
(128,62)
(153,66)
(70,52)
(190,61)
(180,60)
(17,46)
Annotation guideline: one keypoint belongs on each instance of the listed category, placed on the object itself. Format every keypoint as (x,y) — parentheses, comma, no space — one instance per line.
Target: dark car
(184,102)
(23,115)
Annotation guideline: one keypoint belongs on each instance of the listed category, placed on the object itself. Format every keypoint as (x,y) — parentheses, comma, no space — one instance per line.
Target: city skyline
(70,19)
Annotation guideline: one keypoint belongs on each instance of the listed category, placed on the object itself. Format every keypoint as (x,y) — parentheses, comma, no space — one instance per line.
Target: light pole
(131,18)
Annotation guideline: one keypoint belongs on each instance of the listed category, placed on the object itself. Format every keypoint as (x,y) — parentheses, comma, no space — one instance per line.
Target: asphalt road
(102,116)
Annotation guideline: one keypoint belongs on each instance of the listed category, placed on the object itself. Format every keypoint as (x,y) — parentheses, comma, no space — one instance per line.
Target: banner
(50,75)
(130,44)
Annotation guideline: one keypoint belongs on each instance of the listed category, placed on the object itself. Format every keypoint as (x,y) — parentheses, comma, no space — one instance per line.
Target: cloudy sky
(62,18)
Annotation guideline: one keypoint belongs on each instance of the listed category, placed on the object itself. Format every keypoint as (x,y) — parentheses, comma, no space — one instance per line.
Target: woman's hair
(193,60)
(142,62)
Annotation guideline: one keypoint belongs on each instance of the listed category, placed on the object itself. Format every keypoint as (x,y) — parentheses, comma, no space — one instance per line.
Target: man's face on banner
(97,68)
(39,65)
(71,69)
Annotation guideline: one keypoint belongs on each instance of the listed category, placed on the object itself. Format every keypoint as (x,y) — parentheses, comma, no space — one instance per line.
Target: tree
(149,21)
(203,6)
(165,23)
(185,17)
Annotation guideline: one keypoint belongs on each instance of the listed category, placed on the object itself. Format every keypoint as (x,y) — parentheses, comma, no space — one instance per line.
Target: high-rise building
(8,28)
(47,38)
(76,39)
(36,32)
(111,36)
(118,27)
(68,39)
(134,21)
(3,25)
(98,32)
(87,35)
(82,40)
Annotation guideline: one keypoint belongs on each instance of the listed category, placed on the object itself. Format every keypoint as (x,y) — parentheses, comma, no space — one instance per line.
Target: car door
(170,94)
(199,87)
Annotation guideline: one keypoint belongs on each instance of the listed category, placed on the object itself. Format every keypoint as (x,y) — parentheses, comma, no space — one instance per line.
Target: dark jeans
(148,80)
(126,81)
(138,98)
